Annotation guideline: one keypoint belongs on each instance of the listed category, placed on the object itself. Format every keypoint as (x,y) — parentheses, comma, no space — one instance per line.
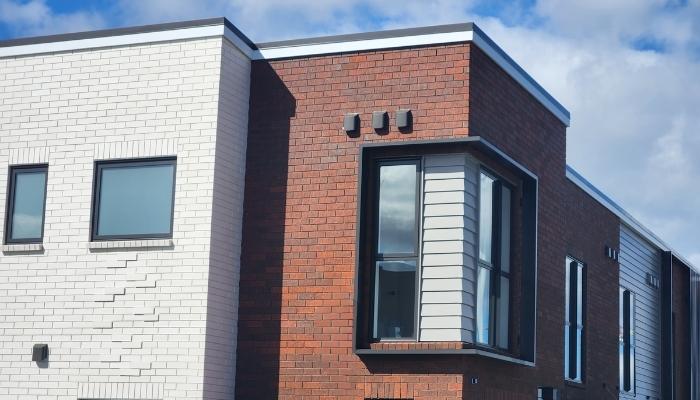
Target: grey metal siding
(637,259)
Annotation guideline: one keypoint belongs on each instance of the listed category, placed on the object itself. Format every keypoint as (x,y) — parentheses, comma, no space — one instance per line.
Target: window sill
(574,384)
(23,248)
(142,244)
(439,348)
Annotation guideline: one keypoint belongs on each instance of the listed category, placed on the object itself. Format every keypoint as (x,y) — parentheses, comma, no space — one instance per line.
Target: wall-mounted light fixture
(612,253)
(653,281)
(404,120)
(380,120)
(40,352)
(351,124)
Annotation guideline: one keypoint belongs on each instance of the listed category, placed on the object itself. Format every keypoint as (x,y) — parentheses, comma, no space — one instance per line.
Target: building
(387,215)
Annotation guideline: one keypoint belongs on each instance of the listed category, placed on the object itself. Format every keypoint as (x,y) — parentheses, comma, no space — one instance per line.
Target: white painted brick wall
(227,226)
(124,322)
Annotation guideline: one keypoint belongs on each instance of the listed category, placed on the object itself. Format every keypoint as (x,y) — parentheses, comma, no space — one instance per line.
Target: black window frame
(377,257)
(10,203)
(97,182)
(572,328)
(495,267)
(525,205)
(628,341)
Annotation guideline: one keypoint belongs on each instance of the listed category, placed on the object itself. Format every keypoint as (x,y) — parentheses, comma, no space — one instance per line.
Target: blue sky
(626,69)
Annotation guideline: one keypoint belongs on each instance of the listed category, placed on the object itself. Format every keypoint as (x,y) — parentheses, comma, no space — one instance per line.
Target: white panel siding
(637,258)
(449,248)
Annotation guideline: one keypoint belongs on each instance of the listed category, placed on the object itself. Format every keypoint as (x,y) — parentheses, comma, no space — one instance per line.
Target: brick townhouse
(387,215)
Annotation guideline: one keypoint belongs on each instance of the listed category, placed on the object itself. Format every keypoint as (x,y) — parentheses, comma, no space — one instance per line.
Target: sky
(627,70)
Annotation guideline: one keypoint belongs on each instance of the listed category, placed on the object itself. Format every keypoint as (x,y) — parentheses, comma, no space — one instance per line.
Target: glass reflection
(485,217)
(28,206)
(483,306)
(397,209)
(135,200)
(503,302)
(395,299)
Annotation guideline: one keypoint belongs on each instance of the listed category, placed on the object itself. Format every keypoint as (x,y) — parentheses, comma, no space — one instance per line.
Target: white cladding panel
(449,248)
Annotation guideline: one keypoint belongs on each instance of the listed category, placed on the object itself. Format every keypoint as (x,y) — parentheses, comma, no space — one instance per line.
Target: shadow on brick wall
(258,354)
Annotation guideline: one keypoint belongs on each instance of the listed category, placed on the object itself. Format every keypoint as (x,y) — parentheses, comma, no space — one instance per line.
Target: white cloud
(694,259)
(634,110)
(634,117)
(35,17)
(283,19)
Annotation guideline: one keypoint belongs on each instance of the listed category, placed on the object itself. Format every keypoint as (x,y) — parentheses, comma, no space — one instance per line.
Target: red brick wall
(681,308)
(296,289)
(589,228)
(296,299)
(570,222)
(509,117)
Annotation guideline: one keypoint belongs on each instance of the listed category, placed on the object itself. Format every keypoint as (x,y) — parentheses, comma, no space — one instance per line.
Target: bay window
(493,281)
(446,250)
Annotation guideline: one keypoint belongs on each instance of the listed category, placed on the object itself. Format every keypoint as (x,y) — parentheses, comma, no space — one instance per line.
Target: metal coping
(129,31)
(480,38)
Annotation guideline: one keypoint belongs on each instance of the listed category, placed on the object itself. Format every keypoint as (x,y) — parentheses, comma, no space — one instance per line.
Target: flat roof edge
(621,213)
(197,29)
(412,37)
(103,33)
(353,37)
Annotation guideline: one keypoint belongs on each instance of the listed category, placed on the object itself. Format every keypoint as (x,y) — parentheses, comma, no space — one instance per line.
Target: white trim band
(361,45)
(112,41)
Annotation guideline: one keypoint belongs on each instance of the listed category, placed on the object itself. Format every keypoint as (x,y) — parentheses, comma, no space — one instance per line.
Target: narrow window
(396,249)
(133,199)
(493,280)
(627,344)
(574,319)
(26,203)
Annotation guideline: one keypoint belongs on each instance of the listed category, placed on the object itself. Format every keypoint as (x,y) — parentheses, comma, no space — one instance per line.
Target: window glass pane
(579,297)
(567,291)
(485,217)
(503,301)
(632,344)
(621,339)
(483,305)
(135,200)
(397,209)
(505,228)
(566,351)
(28,205)
(579,350)
(395,299)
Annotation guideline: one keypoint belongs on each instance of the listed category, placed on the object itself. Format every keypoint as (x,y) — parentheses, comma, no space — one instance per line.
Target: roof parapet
(218,27)
(624,216)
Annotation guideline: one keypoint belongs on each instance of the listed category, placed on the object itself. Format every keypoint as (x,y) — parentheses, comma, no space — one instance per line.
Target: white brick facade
(128,319)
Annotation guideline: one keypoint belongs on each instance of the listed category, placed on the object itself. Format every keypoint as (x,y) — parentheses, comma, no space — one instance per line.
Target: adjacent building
(385,215)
